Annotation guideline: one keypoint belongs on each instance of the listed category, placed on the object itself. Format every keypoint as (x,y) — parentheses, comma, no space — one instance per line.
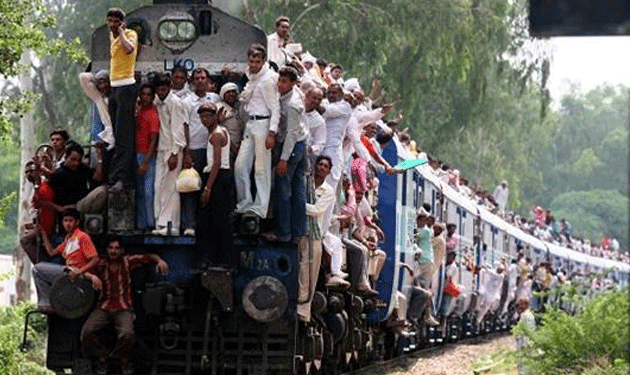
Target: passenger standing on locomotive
(112,277)
(337,113)
(234,118)
(310,263)
(147,133)
(262,103)
(78,251)
(197,142)
(314,122)
(123,50)
(215,235)
(97,87)
(290,194)
(278,40)
(171,145)
(179,80)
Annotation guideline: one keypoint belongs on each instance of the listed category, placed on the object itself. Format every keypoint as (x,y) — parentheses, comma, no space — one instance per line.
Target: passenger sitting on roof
(78,251)
(112,277)
(73,180)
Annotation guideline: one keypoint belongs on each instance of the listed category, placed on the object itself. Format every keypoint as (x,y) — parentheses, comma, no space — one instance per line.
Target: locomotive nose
(265,299)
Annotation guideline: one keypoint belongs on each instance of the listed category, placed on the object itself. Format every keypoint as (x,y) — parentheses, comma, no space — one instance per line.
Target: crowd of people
(198,148)
(543,224)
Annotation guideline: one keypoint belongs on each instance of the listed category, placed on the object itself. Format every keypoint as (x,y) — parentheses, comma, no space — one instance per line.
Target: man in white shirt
(310,263)
(337,114)
(278,40)
(197,142)
(262,103)
(171,145)
(314,122)
(501,195)
(179,79)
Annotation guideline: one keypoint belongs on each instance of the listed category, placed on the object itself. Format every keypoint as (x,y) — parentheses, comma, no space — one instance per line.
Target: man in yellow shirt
(123,50)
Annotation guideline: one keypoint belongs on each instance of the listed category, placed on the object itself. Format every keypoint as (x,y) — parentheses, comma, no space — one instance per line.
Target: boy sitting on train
(112,277)
(78,251)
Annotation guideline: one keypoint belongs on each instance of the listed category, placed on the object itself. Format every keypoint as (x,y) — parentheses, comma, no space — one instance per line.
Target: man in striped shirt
(115,304)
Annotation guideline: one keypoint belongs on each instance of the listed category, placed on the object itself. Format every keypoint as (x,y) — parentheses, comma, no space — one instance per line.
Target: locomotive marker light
(177,31)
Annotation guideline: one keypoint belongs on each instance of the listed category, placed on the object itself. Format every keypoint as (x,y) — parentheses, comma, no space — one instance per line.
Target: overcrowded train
(206,318)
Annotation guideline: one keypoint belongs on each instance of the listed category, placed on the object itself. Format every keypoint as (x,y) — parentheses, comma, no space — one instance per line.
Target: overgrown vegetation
(594,341)
(12,360)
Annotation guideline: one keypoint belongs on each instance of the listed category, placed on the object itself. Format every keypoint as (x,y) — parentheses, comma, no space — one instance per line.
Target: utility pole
(27,135)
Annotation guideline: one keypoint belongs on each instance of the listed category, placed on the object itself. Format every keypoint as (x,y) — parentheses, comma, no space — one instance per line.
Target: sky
(588,61)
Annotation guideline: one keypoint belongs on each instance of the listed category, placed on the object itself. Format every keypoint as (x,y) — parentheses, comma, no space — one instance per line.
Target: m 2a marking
(248,261)
(187,64)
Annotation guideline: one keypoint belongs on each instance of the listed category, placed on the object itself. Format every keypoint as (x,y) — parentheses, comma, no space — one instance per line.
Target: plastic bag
(188,181)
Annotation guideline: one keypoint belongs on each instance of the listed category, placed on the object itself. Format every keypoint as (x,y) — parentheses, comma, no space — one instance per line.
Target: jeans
(145,217)
(122,103)
(290,195)
(190,201)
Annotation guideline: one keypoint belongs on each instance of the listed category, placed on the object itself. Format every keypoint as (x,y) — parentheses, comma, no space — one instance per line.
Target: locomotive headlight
(168,30)
(186,30)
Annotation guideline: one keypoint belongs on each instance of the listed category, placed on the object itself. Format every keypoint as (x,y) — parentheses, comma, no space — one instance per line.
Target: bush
(12,360)
(594,341)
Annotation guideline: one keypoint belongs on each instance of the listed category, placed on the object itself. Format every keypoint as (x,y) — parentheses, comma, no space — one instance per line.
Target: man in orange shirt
(78,251)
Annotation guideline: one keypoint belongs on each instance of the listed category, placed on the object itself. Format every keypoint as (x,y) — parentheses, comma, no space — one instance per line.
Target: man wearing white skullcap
(234,118)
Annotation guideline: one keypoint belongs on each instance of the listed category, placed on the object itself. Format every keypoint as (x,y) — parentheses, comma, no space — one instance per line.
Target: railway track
(406,360)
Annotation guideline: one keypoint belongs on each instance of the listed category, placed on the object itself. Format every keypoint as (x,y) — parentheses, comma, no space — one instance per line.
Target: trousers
(253,154)
(166,203)
(98,319)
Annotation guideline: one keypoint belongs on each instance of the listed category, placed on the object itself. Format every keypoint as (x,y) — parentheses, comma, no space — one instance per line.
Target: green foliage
(595,340)
(9,184)
(594,214)
(12,360)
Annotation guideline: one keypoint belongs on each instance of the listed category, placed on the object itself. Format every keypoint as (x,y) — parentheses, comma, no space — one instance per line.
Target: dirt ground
(457,359)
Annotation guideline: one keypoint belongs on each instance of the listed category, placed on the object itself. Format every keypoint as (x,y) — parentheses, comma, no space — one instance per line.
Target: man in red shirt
(78,251)
(147,131)
(115,304)
(43,195)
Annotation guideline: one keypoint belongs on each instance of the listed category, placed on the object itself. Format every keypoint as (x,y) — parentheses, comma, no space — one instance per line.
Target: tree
(594,214)
(472,85)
